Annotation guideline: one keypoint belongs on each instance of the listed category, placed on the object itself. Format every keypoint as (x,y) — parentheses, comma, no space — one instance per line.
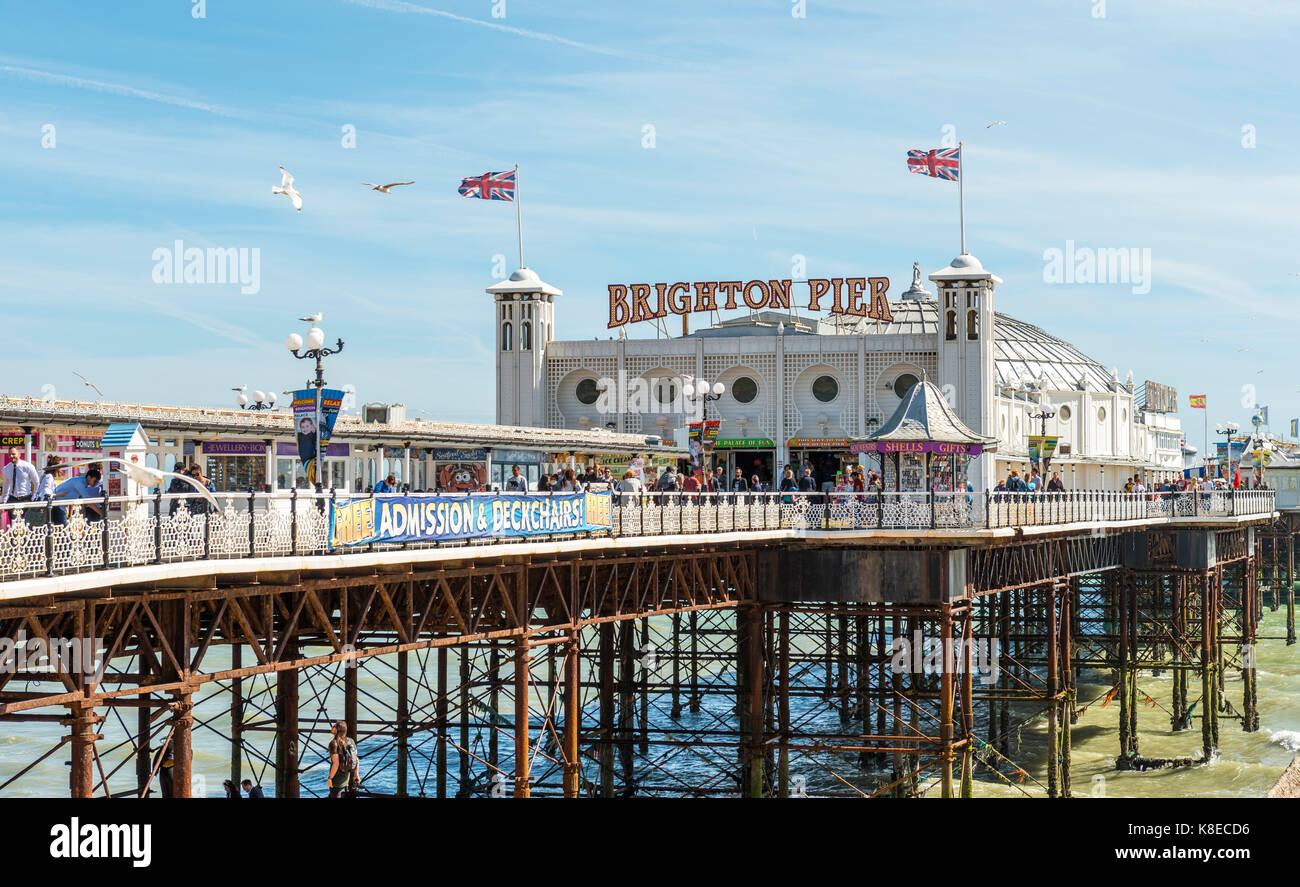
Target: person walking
(1055,485)
(87,490)
(516,482)
(344,763)
(570,482)
(738,483)
(253,791)
(719,480)
(45,489)
(197,505)
(19,479)
(807,483)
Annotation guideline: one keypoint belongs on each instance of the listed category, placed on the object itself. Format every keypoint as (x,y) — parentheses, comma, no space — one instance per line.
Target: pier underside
(745,668)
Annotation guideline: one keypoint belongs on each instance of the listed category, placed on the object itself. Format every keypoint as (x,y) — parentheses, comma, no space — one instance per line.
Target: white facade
(798,386)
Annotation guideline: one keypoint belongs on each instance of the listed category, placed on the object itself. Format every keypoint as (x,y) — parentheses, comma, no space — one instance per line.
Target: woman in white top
(570,484)
(44,490)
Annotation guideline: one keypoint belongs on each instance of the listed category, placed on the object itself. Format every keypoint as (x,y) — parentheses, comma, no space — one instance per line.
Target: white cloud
(52,77)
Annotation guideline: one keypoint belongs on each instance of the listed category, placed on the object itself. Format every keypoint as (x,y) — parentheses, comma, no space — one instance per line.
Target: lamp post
(691,389)
(261,401)
(1044,414)
(313,347)
(708,394)
(1228,429)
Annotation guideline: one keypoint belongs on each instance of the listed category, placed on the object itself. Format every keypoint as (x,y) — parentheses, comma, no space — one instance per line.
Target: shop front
(460,469)
(234,466)
(289,471)
(826,456)
(923,446)
(529,462)
(755,456)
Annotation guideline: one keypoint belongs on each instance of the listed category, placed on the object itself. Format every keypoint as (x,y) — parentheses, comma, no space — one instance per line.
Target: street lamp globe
(688,389)
(718,388)
(259,396)
(270,397)
(293,341)
(242,400)
(315,338)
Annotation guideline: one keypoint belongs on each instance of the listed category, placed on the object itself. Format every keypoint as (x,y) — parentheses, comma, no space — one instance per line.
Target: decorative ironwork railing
(44,539)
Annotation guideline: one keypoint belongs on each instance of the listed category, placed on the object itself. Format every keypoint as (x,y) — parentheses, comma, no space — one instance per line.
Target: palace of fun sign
(850,296)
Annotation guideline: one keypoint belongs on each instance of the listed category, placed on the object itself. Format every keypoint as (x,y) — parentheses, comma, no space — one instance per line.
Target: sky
(656,142)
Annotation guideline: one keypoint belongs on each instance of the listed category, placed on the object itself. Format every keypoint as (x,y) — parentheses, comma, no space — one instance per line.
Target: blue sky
(773,136)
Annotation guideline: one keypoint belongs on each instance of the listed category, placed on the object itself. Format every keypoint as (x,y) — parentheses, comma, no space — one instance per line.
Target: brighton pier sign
(849,296)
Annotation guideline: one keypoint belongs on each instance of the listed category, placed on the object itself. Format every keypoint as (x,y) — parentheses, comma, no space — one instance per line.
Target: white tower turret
(525,318)
(966,356)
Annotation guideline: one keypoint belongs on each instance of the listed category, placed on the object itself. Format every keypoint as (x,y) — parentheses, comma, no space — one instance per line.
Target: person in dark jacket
(807,483)
(738,483)
(253,791)
(719,480)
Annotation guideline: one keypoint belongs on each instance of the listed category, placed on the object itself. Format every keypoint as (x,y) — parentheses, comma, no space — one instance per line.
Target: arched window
(950,328)
(972,324)
(506,343)
(526,336)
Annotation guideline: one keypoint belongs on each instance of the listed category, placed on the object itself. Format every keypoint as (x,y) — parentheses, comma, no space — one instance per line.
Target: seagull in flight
(287,188)
(149,477)
(313,318)
(89,383)
(240,388)
(996,123)
(383,189)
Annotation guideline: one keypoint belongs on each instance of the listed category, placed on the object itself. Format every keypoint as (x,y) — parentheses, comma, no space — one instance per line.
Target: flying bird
(996,123)
(383,189)
(313,318)
(287,188)
(89,383)
(240,388)
(149,477)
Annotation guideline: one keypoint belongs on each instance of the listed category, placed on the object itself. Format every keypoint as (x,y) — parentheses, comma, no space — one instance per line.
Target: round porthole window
(1101,414)
(1065,414)
(665,390)
(587,392)
(904,383)
(744,389)
(825,389)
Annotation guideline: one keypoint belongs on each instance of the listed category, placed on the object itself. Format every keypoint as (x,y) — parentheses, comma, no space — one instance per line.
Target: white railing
(41,539)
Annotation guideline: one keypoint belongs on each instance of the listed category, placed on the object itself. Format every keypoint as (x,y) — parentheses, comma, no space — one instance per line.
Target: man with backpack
(343,778)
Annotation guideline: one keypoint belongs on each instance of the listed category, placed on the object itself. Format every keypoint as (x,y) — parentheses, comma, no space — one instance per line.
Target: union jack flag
(938,163)
(489,186)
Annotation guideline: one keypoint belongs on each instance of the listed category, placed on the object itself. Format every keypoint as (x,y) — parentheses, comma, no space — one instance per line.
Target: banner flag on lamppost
(314,425)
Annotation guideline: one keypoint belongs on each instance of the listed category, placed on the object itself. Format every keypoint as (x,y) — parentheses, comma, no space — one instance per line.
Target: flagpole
(961,196)
(519,222)
(1207,435)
